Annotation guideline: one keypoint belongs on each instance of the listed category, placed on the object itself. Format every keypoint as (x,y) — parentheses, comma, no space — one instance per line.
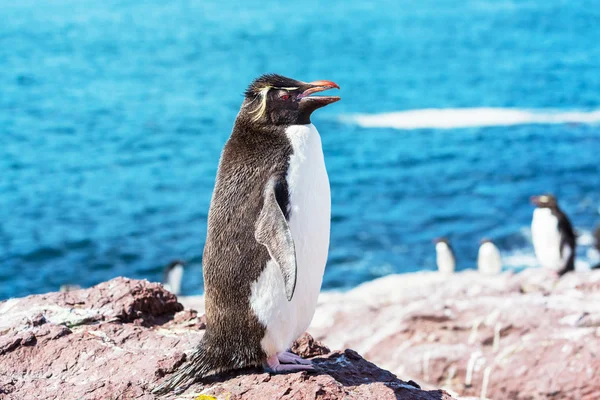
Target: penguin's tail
(199,365)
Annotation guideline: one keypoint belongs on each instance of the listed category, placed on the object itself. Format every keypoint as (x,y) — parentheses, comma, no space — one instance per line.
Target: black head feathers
(545,201)
(274,100)
(269,81)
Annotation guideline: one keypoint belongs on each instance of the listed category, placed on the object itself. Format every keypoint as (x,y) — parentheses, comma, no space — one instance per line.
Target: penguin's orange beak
(316,87)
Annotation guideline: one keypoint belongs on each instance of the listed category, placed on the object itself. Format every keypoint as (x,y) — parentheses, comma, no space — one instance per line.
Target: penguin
(489,261)
(172,276)
(68,287)
(596,250)
(446,262)
(553,235)
(268,233)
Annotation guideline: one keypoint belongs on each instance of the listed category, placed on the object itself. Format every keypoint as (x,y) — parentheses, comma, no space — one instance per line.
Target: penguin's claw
(286,357)
(275,367)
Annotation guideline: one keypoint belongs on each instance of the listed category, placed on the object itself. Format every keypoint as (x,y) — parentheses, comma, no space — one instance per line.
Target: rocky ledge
(118,339)
(510,336)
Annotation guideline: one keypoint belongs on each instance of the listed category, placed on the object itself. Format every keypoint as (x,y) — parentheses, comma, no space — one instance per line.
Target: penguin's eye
(284,97)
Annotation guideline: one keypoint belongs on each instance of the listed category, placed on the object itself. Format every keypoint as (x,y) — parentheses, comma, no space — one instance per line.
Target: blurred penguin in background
(446,262)
(172,276)
(596,249)
(489,261)
(69,287)
(553,235)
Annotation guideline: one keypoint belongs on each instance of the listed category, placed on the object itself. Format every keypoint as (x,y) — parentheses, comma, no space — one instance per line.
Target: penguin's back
(232,258)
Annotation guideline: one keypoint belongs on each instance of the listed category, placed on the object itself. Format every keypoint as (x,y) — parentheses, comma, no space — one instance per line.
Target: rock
(509,336)
(120,338)
(340,375)
(307,347)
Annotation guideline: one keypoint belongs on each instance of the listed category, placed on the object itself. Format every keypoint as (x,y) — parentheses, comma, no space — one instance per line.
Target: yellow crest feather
(260,110)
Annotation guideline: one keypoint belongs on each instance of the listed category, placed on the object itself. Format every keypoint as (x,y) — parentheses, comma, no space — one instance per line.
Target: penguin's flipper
(273,232)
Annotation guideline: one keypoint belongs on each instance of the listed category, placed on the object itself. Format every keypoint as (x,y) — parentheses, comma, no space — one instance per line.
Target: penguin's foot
(275,367)
(286,357)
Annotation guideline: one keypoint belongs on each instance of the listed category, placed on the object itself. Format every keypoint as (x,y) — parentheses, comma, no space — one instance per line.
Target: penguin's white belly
(444,258)
(546,240)
(310,214)
(489,261)
(174,278)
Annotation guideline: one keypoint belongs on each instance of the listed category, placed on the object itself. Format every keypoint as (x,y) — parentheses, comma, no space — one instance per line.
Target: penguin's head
(276,100)
(484,241)
(441,243)
(441,240)
(544,201)
(174,264)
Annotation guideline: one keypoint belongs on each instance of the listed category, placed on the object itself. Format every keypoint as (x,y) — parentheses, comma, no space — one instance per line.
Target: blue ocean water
(113,115)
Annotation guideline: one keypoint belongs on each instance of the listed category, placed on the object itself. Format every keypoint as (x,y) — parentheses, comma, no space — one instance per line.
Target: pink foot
(286,357)
(274,366)
(554,275)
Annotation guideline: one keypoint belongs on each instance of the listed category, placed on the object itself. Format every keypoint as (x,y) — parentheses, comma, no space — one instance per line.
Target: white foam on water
(452,118)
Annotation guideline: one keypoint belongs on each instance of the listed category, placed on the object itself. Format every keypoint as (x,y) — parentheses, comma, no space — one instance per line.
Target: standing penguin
(489,261)
(594,253)
(172,276)
(444,256)
(268,233)
(553,236)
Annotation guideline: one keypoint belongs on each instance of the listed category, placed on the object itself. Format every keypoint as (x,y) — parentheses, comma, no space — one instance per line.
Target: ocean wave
(452,118)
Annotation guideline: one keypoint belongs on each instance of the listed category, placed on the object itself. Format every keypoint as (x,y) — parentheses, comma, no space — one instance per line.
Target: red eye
(285,97)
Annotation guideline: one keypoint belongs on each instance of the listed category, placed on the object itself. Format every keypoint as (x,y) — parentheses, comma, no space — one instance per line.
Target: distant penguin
(68,287)
(173,275)
(444,255)
(268,233)
(597,246)
(553,236)
(489,261)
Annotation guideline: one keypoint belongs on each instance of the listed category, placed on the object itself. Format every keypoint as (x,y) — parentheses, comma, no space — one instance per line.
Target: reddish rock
(307,347)
(339,375)
(511,336)
(190,319)
(117,340)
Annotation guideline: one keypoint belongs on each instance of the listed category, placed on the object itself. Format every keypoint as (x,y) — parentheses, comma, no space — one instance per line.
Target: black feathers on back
(567,237)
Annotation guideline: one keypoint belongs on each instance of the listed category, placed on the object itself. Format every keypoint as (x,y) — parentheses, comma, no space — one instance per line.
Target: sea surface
(453,113)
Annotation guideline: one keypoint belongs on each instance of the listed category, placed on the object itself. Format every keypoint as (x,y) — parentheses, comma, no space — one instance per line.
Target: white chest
(444,258)
(546,239)
(489,261)
(309,222)
(174,278)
